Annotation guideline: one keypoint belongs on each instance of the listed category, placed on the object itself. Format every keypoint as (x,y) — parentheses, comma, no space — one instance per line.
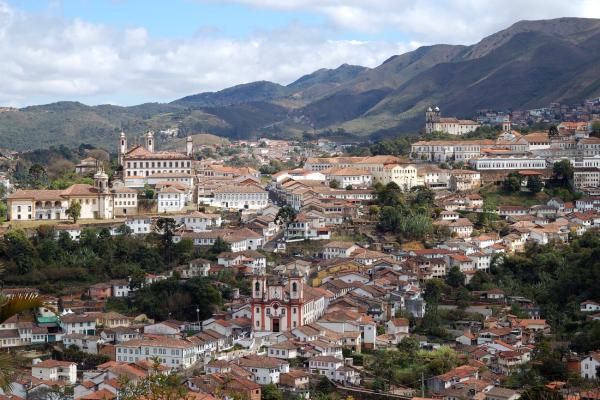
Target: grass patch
(494,197)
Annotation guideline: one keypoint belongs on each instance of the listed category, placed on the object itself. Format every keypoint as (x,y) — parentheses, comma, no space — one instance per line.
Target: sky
(129,52)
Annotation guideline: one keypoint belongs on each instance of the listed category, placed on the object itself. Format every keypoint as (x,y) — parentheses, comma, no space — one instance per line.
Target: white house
(170,199)
(78,323)
(264,370)
(284,350)
(589,306)
(86,343)
(590,366)
(53,370)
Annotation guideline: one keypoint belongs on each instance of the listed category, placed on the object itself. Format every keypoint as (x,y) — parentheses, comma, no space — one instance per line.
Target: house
(334,369)
(120,288)
(297,379)
(461,228)
(589,306)
(86,343)
(265,370)
(590,366)
(100,291)
(467,339)
(55,371)
(456,375)
(171,199)
(78,323)
(397,327)
(337,249)
(500,393)
(284,350)
(229,385)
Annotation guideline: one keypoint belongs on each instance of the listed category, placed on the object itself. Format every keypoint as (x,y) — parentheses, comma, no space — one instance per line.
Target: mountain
(528,65)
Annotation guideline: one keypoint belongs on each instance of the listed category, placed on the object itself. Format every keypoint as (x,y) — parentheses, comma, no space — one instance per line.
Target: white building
(171,352)
(434,122)
(170,199)
(590,366)
(508,163)
(78,323)
(55,371)
(143,166)
(264,370)
(242,197)
(349,176)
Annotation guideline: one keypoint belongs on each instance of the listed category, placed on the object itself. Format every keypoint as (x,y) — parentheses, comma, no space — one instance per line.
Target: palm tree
(10,306)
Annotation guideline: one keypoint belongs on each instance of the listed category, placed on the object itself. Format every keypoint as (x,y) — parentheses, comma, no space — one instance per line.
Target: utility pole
(422,384)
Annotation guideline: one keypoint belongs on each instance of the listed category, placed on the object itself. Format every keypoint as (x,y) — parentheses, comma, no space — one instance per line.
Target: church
(97,201)
(142,165)
(280,306)
(434,122)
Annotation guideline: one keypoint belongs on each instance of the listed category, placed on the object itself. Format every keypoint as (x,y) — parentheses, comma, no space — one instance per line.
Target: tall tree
(74,211)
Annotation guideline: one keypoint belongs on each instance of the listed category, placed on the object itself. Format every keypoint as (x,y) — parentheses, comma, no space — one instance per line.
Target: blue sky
(132,51)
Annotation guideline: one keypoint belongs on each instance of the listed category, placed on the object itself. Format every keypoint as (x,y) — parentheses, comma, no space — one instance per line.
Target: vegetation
(558,277)
(156,386)
(407,215)
(405,365)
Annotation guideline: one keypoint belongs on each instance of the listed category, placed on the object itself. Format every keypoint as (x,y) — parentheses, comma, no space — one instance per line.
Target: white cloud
(432,21)
(47,58)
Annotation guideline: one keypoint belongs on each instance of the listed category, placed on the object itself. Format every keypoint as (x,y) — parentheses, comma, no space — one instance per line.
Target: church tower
(101,181)
(122,147)
(432,115)
(189,146)
(149,141)
(296,288)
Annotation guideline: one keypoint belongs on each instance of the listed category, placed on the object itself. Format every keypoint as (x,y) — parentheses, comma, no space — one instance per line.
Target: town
(269,269)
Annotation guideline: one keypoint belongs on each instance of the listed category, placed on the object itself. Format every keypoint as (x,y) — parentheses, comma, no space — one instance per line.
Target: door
(275,325)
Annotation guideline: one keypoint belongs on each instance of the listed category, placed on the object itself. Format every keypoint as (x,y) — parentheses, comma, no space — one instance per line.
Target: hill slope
(527,65)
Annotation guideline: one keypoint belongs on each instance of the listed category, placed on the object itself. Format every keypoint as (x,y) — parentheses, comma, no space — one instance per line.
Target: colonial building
(282,306)
(434,122)
(97,201)
(143,165)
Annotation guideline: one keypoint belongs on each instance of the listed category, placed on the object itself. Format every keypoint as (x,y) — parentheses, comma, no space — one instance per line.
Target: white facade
(52,370)
(241,197)
(590,366)
(171,353)
(170,200)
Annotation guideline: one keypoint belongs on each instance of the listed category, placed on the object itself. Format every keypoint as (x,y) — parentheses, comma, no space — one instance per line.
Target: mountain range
(528,65)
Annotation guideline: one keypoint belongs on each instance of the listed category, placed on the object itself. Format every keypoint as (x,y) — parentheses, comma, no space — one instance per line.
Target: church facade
(283,306)
(434,122)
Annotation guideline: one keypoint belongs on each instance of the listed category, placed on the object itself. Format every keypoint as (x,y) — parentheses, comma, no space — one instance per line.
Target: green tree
(156,386)
(512,183)
(455,277)
(220,246)
(148,192)
(271,392)
(334,184)
(535,184)
(285,214)
(37,176)
(166,226)
(74,211)
(562,172)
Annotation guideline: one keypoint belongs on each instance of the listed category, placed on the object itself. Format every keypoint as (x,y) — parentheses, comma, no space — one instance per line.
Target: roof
(240,189)
(53,364)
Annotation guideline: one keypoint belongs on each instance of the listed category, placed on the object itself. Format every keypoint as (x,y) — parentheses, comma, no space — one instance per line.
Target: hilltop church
(434,122)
